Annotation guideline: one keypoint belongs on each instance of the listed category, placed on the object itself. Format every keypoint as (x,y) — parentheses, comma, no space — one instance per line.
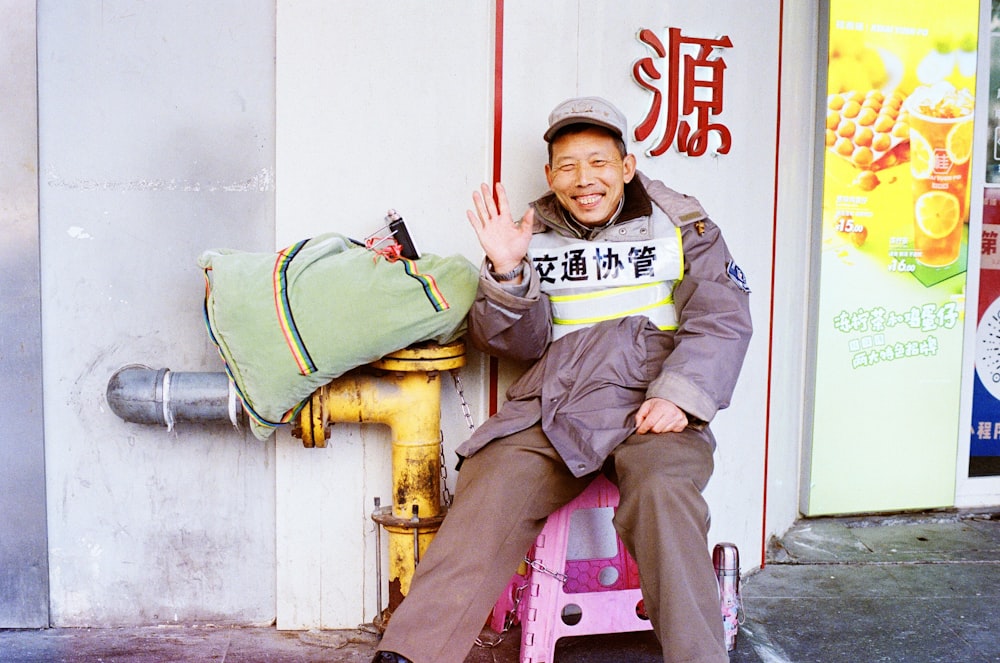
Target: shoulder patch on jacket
(737,276)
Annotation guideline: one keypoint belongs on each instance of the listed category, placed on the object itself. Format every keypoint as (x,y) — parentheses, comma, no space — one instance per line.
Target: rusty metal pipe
(410,405)
(402,391)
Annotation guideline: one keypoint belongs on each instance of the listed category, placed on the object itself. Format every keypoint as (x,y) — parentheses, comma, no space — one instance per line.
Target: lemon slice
(921,155)
(937,213)
(959,142)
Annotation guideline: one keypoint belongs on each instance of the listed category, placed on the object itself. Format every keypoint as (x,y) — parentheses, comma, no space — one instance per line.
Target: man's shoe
(389,657)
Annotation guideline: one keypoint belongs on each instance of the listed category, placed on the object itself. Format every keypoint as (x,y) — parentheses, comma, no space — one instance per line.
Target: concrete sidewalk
(911,588)
(922,588)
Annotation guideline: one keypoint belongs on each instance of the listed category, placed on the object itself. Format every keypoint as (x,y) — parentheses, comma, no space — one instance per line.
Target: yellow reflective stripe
(562,330)
(613,316)
(609,292)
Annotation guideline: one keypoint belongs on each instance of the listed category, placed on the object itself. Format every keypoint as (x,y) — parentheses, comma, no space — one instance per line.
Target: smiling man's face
(588,174)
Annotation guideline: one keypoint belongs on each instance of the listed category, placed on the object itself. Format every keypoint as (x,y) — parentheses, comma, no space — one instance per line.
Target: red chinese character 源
(692,88)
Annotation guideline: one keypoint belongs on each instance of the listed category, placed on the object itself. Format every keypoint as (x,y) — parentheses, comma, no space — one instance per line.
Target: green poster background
(889,330)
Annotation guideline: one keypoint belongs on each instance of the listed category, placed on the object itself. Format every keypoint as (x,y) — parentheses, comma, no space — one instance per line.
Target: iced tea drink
(940,119)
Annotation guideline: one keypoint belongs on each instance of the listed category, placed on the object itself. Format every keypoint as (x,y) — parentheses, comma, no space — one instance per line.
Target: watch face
(988,349)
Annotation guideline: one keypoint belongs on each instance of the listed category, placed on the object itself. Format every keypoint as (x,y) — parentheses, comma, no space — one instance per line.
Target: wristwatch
(508,276)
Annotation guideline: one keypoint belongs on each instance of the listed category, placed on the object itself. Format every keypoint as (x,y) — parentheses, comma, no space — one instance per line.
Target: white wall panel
(792,287)
(380,105)
(155,143)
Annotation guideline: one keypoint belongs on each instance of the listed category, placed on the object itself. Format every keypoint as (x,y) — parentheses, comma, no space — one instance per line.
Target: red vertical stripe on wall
(497,90)
(774,251)
(497,154)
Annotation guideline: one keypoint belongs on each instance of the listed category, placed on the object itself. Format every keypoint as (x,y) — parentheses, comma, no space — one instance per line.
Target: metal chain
(446,496)
(508,621)
(511,617)
(461,396)
(541,568)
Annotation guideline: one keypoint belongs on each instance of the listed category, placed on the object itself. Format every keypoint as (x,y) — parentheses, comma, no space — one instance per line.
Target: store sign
(984,445)
(685,77)
(897,150)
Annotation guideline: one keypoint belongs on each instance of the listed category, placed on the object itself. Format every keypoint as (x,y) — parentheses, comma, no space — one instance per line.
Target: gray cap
(587,110)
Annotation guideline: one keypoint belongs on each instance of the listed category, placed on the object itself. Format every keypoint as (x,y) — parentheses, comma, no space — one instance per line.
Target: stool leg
(541,615)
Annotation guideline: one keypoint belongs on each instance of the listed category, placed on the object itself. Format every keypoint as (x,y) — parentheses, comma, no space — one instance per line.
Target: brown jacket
(585,387)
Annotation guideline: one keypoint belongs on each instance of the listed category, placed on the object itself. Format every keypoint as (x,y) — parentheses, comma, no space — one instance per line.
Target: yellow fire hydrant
(403,391)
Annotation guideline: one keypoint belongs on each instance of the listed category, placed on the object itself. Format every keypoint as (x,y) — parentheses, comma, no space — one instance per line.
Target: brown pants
(503,496)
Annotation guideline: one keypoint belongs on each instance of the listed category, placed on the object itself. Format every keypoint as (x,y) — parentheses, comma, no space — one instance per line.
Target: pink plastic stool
(569,593)
(566,596)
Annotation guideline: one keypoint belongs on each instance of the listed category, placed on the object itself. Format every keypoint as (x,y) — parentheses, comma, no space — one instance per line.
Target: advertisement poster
(897,153)
(984,448)
(984,445)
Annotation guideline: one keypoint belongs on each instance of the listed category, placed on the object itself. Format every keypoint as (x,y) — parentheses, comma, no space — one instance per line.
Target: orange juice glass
(940,119)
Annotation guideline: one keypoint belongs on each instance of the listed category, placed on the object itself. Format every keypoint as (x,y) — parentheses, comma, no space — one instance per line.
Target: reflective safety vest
(591,281)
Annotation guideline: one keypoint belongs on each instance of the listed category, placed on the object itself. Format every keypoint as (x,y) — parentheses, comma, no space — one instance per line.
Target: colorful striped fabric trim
(287,418)
(283,308)
(204,308)
(261,421)
(431,290)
